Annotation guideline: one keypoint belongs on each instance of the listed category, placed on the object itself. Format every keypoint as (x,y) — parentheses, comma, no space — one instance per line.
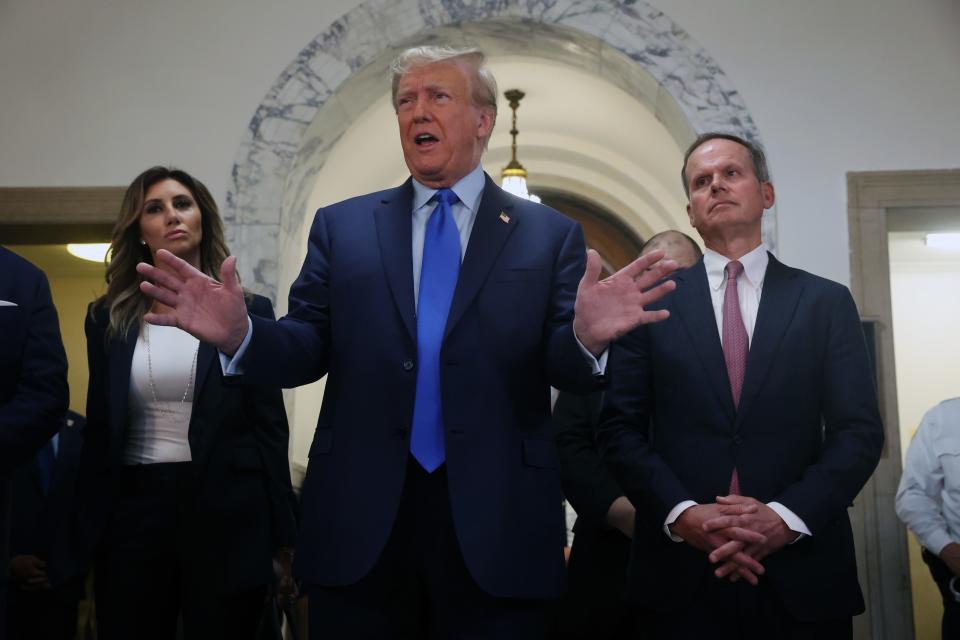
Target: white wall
(93,91)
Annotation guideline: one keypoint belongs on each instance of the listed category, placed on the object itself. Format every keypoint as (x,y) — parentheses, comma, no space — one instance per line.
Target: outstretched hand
(211,311)
(606,309)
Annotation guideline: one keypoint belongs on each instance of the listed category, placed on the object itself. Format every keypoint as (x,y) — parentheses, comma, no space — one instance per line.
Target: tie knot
(734,269)
(446,196)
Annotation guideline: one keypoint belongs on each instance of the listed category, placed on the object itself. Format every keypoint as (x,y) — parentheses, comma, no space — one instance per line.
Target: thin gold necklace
(153,387)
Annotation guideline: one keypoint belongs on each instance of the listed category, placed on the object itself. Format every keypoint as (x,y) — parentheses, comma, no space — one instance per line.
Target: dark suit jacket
(594,606)
(238,442)
(508,337)
(807,434)
(33,376)
(40,521)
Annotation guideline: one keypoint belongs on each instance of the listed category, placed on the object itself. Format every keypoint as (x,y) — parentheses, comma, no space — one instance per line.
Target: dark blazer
(594,606)
(41,522)
(39,518)
(807,434)
(508,337)
(33,376)
(238,442)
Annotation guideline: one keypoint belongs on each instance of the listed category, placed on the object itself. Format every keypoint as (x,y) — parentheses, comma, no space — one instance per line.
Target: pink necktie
(736,344)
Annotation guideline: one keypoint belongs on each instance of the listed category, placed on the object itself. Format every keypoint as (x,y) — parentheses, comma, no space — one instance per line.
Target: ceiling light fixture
(944,241)
(95,252)
(514,176)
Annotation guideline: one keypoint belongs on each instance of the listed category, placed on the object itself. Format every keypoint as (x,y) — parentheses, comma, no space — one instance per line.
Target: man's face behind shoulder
(724,190)
(441,131)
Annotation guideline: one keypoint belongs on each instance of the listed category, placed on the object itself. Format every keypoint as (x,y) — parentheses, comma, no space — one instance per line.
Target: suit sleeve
(852,429)
(33,413)
(567,366)
(623,432)
(296,349)
(264,405)
(586,482)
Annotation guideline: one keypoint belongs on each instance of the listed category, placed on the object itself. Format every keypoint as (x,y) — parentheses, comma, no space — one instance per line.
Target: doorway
(899,285)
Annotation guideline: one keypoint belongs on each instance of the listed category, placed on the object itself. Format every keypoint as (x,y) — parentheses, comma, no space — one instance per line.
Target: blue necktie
(46,458)
(438,279)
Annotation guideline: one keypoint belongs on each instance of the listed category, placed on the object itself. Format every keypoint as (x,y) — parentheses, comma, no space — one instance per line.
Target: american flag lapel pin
(504,218)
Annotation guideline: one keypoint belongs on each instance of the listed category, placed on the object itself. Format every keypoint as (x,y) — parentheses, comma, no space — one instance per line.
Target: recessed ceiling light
(95,252)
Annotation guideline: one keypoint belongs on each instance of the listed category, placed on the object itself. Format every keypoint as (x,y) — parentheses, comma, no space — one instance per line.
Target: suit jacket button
(408,365)
(737,440)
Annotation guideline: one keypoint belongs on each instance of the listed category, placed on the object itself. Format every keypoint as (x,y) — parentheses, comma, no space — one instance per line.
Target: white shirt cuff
(233,366)
(936,541)
(672,517)
(599,365)
(792,520)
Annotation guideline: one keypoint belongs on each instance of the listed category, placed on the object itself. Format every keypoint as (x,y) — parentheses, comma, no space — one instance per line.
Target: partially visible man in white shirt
(928,502)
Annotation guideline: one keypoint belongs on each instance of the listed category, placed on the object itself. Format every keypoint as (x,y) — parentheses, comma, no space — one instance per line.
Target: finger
(735,499)
(228,273)
(652,295)
(159,277)
(656,273)
(726,569)
(745,535)
(720,522)
(160,319)
(746,561)
(748,575)
(637,268)
(724,551)
(738,509)
(592,273)
(159,294)
(179,266)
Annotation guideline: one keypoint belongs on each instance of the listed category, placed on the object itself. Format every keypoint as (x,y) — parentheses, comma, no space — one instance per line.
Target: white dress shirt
(749,290)
(928,499)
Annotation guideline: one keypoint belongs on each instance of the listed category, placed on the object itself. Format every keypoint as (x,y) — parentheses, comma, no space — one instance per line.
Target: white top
(928,499)
(162,378)
(749,290)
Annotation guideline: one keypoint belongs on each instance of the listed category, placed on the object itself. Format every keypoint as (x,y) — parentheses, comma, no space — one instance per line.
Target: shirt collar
(754,266)
(469,189)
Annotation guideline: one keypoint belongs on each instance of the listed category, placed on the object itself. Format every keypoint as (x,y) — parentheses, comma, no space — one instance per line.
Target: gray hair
(756,155)
(483,85)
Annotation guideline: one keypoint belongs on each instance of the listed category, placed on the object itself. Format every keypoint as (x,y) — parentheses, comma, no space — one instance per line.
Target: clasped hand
(737,532)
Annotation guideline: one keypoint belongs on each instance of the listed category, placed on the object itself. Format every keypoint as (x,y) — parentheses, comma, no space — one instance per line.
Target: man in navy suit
(742,428)
(43,606)
(441,312)
(33,379)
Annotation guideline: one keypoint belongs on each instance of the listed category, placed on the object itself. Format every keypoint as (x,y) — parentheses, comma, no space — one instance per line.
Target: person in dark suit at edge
(594,607)
(44,491)
(441,312)
(185,492)
(33,381)
(742,428)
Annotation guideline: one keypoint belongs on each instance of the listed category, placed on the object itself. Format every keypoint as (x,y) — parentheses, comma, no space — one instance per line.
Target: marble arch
(630,44)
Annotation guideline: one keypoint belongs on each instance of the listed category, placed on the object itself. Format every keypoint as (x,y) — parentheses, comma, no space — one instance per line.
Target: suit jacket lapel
(695,310)
(121,358)
(487,238)
(778,302)
(206,355)
(394,220)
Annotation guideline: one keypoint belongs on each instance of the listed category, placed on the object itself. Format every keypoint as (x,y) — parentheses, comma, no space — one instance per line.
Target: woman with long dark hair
(185,485)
